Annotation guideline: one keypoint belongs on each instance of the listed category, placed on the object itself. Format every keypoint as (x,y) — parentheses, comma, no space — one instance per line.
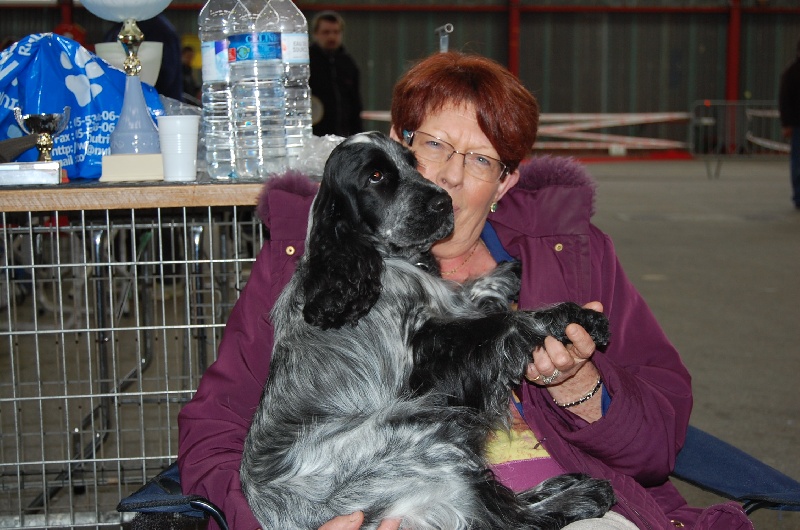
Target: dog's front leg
(474,362)
(471,362)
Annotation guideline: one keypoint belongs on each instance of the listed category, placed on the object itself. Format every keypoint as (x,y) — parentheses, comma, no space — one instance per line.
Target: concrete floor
(718,260)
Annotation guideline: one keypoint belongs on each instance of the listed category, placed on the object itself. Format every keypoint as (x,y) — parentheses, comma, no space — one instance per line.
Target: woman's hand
(566,359)
(354,521)
(566,370)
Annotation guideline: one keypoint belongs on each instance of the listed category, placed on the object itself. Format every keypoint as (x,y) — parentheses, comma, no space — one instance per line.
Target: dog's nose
(440,203)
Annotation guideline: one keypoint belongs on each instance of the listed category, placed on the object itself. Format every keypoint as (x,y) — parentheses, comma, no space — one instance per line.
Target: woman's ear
(506,184)
(343,274)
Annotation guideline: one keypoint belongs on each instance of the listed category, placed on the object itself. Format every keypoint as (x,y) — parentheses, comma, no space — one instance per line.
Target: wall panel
(575,55)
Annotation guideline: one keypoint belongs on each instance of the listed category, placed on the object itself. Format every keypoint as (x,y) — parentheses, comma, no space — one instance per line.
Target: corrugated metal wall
(576,55)
(622,62)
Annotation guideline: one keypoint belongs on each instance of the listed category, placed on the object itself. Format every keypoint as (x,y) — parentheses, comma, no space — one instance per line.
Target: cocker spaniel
(386,380)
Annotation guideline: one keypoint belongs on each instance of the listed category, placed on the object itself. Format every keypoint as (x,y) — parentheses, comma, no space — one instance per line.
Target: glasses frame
(408,136)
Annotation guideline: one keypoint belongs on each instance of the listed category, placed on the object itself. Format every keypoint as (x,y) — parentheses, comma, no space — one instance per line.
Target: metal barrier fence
(576,132)
(107,321)
(585,132)
(717,130)
(724,129)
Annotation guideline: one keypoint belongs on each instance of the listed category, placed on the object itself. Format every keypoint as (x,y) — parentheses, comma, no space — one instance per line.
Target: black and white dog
(386,380)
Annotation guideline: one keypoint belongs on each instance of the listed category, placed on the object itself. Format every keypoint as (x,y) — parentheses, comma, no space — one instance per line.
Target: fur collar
(294,182)
(540,172)
(536,173)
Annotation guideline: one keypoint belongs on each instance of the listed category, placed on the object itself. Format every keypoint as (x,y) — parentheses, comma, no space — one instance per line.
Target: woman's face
(472,198)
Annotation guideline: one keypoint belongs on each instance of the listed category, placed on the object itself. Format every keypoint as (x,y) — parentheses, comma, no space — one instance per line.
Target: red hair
(507,112)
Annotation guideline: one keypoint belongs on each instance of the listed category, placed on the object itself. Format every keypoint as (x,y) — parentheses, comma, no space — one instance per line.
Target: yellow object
(517,444)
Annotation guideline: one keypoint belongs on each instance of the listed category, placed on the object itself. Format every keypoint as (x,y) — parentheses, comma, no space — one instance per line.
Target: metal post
(444,36)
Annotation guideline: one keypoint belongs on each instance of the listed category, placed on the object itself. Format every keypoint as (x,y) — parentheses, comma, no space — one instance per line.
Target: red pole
(513,36)
(733,51)
(732,72)
(66,11)
(66,27)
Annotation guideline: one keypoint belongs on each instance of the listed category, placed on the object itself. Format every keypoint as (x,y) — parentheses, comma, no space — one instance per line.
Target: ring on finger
(553,377)
(536,378)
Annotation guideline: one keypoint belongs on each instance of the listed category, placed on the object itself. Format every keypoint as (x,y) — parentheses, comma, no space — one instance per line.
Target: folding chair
(705,461)
(162,495)
(716,466)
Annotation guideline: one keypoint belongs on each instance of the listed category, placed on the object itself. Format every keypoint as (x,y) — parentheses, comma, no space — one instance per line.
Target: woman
(620,414)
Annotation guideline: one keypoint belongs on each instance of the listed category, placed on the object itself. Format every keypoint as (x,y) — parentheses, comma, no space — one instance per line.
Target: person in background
(191,87)
(789,108)
(334,78)
(160,29)
(620,414)
(7,42)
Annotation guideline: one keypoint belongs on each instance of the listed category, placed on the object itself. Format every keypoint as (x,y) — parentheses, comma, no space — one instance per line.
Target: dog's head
(372,204)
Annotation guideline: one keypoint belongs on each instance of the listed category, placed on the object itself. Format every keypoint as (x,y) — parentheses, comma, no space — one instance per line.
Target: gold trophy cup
(46,126)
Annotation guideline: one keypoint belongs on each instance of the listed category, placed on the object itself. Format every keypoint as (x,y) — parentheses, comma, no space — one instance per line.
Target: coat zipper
(647,524)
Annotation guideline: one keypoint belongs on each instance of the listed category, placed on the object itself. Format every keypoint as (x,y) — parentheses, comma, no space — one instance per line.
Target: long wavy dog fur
(386,380)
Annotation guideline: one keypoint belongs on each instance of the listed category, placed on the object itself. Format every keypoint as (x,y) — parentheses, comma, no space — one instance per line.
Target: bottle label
(254,46)
(215,60)
(294,47)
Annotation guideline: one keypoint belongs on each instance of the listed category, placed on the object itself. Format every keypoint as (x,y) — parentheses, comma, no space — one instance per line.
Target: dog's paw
(589,499)
(511,267)
(555,320)
(493,291)
(571,497)
(596,324)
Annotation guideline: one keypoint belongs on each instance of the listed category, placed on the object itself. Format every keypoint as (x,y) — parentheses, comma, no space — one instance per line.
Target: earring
(493,207)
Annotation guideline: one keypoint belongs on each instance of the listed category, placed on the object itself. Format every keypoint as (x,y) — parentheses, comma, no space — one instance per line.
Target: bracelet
(585,398)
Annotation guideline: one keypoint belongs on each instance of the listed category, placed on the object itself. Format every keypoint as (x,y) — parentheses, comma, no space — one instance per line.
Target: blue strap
(494,245)
(605,401)
(517,403)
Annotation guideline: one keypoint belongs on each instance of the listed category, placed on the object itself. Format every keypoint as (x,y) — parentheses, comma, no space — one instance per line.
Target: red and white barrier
(562,131)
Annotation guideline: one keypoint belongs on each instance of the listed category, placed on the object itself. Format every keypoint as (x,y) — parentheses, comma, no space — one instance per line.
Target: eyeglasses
(435,150)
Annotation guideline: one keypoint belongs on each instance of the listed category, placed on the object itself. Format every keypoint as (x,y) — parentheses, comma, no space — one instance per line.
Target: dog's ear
(343,275)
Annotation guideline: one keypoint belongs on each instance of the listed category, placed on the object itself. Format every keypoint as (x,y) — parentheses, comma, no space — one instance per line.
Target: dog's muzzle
(440,213)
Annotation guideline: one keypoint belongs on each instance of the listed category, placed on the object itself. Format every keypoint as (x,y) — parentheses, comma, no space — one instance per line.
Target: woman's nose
(451,172)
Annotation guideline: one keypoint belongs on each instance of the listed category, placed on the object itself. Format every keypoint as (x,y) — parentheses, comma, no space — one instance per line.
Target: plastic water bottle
(217,113)
(256,70)
(296,71)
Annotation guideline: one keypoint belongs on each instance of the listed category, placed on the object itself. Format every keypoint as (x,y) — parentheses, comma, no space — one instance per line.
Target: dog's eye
(376,176)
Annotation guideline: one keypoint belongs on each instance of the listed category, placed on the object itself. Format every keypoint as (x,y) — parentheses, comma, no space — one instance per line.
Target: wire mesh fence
(107,321)
(720,130)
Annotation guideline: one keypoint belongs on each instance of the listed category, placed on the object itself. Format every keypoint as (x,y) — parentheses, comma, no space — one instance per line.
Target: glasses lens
(434,150)
(483,167)
(431,148)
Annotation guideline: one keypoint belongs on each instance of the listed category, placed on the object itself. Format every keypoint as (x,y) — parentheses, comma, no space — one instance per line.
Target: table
(93,195)
(113,299)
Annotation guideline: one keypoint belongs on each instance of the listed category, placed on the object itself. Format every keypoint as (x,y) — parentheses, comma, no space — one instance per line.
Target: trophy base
(28,173)
(132,168)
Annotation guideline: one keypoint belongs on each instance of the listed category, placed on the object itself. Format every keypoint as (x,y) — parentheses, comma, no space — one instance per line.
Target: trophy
(134,132)
(46,126)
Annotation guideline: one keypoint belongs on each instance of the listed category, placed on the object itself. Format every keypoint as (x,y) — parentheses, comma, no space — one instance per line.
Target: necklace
(453,271)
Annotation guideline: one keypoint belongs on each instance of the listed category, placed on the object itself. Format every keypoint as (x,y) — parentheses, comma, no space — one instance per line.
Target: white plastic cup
(178,137)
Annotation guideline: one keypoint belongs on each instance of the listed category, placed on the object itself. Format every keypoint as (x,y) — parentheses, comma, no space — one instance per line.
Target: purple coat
(545,223)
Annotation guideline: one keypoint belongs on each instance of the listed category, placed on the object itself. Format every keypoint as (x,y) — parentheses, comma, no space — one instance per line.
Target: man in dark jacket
(334,78)
(789,106)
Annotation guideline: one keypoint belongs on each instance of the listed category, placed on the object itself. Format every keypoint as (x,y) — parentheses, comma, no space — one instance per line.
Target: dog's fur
(386,380)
